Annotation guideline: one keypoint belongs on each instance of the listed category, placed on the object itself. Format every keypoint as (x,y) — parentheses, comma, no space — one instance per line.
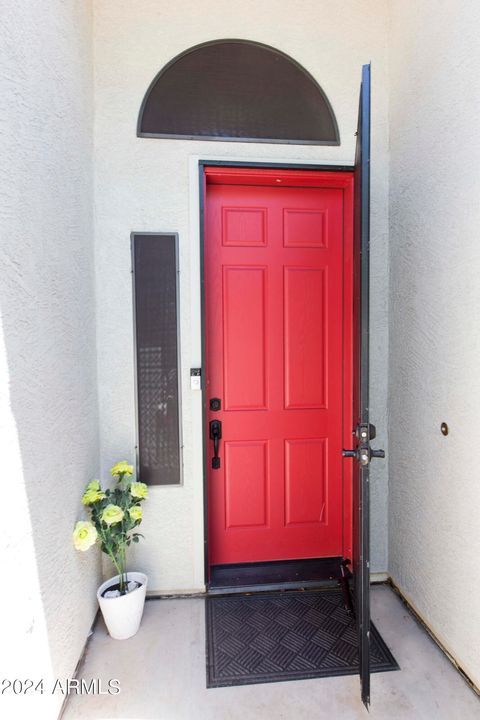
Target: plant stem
(114,560)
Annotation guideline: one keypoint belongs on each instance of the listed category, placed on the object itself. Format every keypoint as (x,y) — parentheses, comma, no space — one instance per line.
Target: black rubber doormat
(285,636)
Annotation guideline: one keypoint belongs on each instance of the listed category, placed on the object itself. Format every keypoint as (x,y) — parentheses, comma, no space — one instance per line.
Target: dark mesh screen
(157,358)
(233,90)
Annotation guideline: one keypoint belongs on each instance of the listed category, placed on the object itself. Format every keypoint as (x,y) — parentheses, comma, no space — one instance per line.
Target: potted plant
(115,514)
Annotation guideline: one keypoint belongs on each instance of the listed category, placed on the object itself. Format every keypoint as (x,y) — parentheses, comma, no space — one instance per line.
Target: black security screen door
(362,454)
(361,488)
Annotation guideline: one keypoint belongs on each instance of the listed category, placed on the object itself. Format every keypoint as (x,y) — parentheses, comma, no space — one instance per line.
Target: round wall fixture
(444,428)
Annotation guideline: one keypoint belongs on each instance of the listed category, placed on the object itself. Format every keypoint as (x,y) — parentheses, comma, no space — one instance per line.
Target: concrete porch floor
(162,675)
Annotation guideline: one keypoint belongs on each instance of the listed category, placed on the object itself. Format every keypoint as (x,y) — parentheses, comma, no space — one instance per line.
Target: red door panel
(274,291)
(243,304)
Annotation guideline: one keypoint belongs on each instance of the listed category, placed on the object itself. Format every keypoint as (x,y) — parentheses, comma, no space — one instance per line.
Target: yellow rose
(84,535)
(94,485)
(93,493)
(139,490)
(122,468)
(112,514)
(136,512)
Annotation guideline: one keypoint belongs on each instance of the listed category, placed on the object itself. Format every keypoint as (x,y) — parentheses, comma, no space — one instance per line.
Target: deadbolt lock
(364,432)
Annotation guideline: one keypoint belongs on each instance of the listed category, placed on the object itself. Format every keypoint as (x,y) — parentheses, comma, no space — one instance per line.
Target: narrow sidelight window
(155,265)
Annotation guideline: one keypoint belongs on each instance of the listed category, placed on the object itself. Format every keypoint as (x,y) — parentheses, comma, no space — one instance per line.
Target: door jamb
(348,325)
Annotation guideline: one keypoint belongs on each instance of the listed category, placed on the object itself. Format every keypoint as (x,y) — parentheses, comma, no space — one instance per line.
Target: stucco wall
(434,334)
(48,411)
(151,184)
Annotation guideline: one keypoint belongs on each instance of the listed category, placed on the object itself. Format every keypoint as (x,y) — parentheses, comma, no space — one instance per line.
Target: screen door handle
(363,454)
(215,435)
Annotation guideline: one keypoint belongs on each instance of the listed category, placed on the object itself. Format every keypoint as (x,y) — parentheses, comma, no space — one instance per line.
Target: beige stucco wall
(151,184)
(434,527)
(48,406)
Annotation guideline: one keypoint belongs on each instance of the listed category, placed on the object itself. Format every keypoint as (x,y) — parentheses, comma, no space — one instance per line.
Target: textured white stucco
(151,185)
(48,411)
(434,335)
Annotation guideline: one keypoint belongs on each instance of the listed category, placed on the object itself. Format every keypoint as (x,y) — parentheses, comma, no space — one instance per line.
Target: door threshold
(270,587)
(274,575)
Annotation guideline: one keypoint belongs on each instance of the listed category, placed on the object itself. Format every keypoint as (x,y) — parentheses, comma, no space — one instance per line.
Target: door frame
(341,177)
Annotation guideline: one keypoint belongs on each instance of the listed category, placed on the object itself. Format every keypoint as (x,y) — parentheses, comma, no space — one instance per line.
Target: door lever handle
(215,435)
(363,454)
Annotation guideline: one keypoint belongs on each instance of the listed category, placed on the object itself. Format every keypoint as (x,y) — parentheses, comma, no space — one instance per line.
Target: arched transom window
(237,90)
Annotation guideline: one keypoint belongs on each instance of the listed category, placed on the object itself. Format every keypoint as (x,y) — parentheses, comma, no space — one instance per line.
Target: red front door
(275,352)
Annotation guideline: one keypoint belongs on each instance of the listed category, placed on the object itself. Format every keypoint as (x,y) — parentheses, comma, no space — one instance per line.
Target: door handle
(215,435)
(363,454)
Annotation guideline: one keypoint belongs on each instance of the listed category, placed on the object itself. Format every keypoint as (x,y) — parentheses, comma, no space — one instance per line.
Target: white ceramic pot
(123,614)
